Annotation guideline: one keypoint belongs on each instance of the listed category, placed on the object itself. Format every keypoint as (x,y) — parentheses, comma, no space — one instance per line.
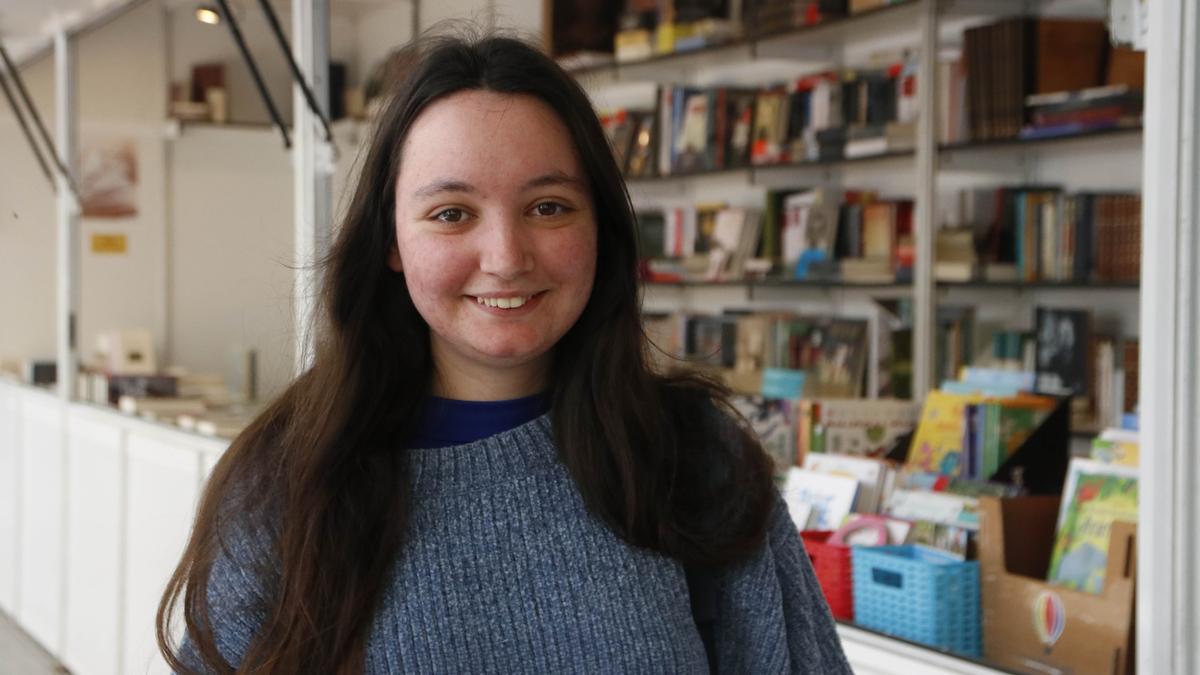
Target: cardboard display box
(1030,625)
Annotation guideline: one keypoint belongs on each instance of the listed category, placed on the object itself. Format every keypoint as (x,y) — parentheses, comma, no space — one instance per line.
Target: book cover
(831,497)
(937,445)
(842,360)
(868,473)
(1063,336)
(864,427)
(1081,545)
(641,152)
(942,508)
(691,140)
(741,125)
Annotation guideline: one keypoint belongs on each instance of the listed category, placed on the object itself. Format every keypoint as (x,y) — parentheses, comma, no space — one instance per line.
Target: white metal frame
(312,161)
(1168,611)
(66,133)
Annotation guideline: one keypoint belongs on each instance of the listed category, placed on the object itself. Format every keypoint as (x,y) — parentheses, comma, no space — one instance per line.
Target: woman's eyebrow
(444,185)
(553,179)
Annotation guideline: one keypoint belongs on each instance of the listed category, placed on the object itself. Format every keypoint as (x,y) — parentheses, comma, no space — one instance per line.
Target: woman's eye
(449,215)
(550,209)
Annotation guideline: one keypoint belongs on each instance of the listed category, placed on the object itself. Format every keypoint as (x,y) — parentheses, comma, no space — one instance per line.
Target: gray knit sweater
(505,571)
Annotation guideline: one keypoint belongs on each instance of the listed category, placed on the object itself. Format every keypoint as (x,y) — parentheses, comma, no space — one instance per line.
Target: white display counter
(95,508)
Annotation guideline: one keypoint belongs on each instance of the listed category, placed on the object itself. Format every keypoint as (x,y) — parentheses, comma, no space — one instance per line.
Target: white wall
(231,250)
(380,30)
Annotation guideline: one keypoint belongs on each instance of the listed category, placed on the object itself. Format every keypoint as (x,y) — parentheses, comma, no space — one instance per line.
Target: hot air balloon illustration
(1049,618)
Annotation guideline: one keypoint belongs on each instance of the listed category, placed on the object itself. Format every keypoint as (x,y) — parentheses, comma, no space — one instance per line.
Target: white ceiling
(27,25)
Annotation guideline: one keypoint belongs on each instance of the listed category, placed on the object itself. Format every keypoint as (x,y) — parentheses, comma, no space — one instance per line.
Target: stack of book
(1075,112)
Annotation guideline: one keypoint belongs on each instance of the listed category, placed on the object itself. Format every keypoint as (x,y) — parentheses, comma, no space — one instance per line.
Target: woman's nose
(504,250)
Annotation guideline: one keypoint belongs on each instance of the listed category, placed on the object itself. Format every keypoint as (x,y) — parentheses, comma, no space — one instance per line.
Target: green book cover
(1081,547)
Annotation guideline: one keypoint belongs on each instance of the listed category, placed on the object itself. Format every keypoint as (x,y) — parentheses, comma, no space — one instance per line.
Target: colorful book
(937,445)
(1099,495)
(831,497)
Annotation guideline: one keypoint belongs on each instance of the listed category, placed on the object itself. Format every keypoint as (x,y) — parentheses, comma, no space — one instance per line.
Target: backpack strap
(702,589)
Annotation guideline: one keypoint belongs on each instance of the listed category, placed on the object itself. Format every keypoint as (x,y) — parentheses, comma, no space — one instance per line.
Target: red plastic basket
(832,565)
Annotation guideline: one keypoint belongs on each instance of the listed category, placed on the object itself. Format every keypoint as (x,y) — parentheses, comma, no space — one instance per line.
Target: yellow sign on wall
(109,243)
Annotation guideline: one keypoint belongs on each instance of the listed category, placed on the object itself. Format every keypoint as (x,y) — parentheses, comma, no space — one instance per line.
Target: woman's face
(496,237)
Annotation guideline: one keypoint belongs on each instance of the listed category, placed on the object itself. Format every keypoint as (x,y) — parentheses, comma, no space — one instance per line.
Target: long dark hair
(656,457)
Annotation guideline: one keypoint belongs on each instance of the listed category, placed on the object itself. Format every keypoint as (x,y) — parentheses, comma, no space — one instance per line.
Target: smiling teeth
(503,303)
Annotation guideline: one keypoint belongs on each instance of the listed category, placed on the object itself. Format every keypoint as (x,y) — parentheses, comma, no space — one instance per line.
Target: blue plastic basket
(918,594)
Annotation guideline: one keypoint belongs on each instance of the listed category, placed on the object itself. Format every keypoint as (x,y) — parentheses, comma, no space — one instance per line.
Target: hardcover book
(1096,496)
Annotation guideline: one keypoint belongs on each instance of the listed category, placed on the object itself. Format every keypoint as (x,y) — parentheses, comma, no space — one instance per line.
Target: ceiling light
(207,14)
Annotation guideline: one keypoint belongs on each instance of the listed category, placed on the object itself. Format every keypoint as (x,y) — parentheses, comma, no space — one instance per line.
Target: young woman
(481,472)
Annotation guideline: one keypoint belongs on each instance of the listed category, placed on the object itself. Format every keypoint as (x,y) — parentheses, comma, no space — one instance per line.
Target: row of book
(1029,233)
(1068,352)
(830,115)
(775,353)
(814,234)
(1042,233)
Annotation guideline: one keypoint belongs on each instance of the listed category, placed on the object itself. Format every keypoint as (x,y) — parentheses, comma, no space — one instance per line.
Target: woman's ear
(394,261)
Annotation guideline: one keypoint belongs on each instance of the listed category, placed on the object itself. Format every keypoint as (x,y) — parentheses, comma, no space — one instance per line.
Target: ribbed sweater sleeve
(772,615)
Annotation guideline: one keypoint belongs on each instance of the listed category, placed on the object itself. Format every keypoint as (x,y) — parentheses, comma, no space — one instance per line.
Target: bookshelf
(930,173)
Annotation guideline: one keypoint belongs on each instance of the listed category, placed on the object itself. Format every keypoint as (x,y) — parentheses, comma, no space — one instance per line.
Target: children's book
(1099,495)
(868,472)
(937,445)
(831,497)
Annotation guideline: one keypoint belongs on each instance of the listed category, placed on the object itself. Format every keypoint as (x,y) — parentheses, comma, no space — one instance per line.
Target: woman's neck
(489,385)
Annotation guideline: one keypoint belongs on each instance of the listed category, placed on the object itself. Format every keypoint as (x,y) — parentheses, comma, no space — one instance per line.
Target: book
(1095,496)
(865,427)
(942,508)
(842,358)
(830,497)
(868,472)
(1116,446)
(937,445)
(1062,354)
(641,161)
